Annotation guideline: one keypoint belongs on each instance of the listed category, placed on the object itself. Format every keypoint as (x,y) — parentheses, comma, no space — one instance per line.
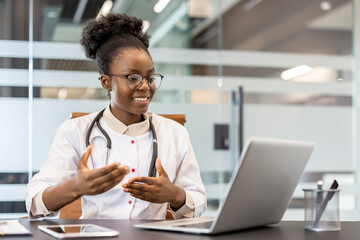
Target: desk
(284,230)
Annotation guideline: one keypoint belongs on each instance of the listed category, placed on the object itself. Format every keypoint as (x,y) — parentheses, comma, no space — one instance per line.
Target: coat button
(133,170)
(130,202)
(132,141)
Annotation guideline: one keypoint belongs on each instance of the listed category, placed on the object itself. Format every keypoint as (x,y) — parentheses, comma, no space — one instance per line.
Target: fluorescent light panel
(146,25)
(105,9)
(295,72)
(161,5)
(325,5)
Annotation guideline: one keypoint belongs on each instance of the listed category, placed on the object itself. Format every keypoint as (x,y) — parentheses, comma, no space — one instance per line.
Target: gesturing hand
(156,189)
(93,182)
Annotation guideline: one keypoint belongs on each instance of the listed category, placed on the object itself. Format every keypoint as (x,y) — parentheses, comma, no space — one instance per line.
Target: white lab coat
(175,151)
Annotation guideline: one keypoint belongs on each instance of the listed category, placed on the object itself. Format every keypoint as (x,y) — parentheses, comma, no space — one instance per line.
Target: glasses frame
(142,79)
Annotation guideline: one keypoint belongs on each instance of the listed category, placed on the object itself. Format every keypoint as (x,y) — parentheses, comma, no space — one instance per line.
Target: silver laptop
(259,191)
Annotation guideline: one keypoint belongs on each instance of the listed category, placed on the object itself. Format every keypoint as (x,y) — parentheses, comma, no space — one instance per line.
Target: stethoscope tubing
(96,120)
(152,170)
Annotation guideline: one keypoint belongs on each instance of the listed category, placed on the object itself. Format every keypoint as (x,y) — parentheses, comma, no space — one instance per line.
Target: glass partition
(14,105)
(206,49)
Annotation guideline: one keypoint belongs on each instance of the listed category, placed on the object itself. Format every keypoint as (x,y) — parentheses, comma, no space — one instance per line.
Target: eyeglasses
(135,80)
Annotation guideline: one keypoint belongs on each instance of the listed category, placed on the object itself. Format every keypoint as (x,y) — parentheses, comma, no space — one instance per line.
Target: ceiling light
(146,25)
(52,14)
(161,5)
(62,94)
(325,5)
(105,9)
(295,72)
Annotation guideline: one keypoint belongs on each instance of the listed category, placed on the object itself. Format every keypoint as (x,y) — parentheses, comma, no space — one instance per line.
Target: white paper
(12,227)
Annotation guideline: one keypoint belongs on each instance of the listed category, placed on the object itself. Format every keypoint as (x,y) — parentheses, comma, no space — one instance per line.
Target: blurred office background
(207,50)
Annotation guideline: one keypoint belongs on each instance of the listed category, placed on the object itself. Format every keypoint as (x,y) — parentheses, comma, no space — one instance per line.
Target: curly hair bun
(100,30)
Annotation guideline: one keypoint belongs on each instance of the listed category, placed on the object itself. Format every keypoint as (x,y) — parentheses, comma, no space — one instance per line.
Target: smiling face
(128,104)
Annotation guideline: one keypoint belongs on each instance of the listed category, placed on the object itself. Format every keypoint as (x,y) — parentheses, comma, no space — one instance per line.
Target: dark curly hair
(107,36)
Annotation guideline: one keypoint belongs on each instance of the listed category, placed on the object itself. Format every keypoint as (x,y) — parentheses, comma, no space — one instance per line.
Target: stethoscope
(152,170)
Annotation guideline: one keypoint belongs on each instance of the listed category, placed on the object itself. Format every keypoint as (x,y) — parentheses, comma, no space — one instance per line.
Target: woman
(117,185)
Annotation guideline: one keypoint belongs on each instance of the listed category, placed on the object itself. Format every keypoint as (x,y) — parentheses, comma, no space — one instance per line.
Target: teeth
(141,99)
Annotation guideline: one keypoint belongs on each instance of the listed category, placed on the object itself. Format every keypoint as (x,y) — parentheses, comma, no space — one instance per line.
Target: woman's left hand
(156,189)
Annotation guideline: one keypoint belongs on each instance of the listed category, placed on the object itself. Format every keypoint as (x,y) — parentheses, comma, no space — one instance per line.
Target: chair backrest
(180,118)
(73,209)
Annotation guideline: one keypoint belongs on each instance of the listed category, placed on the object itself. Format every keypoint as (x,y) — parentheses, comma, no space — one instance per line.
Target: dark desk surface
(284,230)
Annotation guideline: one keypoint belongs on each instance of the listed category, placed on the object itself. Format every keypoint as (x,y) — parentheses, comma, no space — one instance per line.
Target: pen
(328,197)
(319,196)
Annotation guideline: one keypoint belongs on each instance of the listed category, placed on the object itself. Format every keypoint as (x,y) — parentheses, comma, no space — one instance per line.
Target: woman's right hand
(93,182)
(85,182)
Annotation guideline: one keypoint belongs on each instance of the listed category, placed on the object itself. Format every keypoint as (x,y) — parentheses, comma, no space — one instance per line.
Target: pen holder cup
(322,209)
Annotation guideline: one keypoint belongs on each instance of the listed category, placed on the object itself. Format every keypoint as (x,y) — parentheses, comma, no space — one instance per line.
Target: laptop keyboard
(205,225)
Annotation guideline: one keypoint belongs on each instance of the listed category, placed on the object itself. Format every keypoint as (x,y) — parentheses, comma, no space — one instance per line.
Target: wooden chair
(73,210)
(180,118)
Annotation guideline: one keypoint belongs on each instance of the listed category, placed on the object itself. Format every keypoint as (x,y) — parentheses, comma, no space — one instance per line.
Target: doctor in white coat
(113,182)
